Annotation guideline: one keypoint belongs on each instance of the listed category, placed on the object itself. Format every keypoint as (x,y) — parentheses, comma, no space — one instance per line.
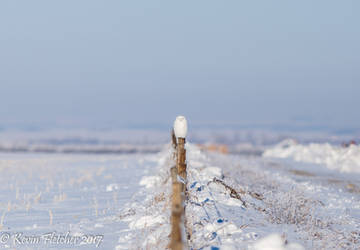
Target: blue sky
(140,63)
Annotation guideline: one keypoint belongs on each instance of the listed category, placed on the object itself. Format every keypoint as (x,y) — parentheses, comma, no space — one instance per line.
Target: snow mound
(275,242)
(344,159)
(149,181)
(147,221)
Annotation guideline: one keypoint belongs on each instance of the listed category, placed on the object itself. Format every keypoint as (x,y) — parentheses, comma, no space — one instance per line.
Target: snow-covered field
(67,195)
(235,202)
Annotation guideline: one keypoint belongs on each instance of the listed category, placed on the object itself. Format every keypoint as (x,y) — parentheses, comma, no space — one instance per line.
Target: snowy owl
(180,127)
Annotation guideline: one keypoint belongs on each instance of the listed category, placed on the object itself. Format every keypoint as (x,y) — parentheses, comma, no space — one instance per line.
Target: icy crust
(344,159)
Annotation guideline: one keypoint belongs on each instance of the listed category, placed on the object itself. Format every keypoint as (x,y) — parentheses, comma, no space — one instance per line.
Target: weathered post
(174,145)
(176,214)
(173,139)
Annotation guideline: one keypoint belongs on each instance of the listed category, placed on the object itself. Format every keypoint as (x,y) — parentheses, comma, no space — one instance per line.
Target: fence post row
(178,172)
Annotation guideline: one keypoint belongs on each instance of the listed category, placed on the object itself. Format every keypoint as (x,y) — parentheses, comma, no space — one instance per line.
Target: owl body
(180,127)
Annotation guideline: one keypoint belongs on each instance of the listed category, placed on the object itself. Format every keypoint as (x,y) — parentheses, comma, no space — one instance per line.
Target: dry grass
(50,218)
(301,173)
(233,193)
(2,220)
(159,198)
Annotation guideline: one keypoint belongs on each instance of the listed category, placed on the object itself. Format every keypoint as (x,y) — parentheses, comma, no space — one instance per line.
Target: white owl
(180,127)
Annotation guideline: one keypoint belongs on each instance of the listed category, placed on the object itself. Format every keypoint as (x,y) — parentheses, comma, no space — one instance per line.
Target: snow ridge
(343,159)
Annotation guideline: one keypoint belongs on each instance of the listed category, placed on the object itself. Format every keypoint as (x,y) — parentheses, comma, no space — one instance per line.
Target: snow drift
(343,159)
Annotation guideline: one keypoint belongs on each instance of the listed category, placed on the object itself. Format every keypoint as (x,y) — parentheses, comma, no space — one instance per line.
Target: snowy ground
(248,203)
(123,202)
(79,194)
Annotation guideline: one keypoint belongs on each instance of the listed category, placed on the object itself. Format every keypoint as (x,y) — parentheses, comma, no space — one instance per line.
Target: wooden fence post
(176,214)
(181,158)
(180,129)
(177,209)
